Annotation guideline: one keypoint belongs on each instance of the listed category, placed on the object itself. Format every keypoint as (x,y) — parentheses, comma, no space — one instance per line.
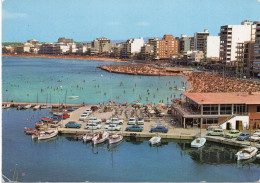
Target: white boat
(102,137)
(48,134)
(155,140)
(73,97)
(115,138)
(28,106)
(88,137)
(258,156)
(246,153)
(198,142)
(36,107)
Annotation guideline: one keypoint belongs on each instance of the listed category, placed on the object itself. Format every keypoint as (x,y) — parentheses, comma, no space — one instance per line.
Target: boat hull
(48,136)
(198,142)
(100,139)
(246,153)
(155,140)
(115,139)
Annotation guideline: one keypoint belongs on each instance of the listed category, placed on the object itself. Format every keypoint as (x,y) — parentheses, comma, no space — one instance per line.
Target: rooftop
(224,98)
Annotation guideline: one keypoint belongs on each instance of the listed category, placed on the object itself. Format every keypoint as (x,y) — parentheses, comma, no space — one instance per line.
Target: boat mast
(65,97)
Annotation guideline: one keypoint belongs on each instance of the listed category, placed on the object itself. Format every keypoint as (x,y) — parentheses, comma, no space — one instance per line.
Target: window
(258,108)
(210,121)
(210,109)
(225,109)
(239,108)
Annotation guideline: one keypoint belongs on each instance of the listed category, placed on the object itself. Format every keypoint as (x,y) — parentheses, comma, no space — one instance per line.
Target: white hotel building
(231,35)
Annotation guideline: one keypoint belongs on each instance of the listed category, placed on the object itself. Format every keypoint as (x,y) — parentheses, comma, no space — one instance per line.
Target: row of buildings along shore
(237,47)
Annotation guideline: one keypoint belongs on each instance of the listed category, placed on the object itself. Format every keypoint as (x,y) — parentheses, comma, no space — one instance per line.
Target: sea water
(64,159)
(56,80)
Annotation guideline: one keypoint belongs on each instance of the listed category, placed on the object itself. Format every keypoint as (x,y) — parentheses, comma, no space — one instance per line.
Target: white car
(83,117)
(87,111)
(92,126)
(112,127)
(131,121)
(114,121)
(94,120)
(140,121)
(255,136)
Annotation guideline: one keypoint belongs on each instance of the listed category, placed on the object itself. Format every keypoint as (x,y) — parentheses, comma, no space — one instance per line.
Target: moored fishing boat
(198,142)
(115,138)
(246,153)
(102,137)
(36,107)
(47,134)
(29,131)
(258,156)
(88,137)
(27,106)
(155,140)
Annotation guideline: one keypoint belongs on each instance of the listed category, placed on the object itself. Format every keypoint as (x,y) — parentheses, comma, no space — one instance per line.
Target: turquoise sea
(63,159)
(24,77)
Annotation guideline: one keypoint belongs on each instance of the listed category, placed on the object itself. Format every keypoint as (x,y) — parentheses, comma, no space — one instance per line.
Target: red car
(64,116)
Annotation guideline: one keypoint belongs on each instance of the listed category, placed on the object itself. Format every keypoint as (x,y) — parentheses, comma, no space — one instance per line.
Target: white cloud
(112,23)
(143,24)
(259,1)
(11,15)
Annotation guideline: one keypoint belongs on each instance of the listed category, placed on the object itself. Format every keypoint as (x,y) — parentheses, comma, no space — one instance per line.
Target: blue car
(72,124)
(161,129)
(134,128)
(243,136)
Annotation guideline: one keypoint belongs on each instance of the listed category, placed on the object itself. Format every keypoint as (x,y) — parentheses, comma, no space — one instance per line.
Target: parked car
(87,111)
(140,121)
(112,127)
(233,134)
(92,126)
(216,132)
(114,121)
(161,129)
(134,128)
(70,109)
(94,120)
(72,124)
(243,136)
(131,121)
(255,136)
(83,117)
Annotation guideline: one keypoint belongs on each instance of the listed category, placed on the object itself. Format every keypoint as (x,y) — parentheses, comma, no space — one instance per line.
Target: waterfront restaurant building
(209,109)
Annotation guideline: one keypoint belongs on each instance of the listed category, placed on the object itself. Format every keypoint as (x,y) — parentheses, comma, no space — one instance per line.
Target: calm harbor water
(63,159)
(24,77)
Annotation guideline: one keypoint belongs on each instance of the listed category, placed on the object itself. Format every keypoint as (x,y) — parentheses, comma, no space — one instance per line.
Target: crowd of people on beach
(137,69)
(205,82)
(201,82)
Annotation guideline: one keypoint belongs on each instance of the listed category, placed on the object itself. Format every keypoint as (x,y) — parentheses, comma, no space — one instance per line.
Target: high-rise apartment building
(200,40)
(186,44)
(230,36)
(165,48)
(131,47)
(212,47)
(256,59)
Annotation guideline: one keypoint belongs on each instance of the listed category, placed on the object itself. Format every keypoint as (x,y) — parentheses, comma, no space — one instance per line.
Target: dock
(16,104)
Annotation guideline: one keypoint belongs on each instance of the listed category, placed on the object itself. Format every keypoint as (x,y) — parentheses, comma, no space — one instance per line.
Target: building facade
(200,40)
(256,59)
(230,36)
(212,47)
(131,47)
(186,44)
(166,48)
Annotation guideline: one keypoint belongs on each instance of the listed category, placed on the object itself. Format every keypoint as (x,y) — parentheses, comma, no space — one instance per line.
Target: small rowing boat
(88,137)
(115,138)
(47,134)
(155,140)
(102,137)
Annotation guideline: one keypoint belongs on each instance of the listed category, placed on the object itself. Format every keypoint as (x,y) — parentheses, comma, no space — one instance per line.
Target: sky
(85,20)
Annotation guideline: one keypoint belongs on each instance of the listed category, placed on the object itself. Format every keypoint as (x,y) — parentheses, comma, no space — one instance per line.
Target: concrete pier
(16,104)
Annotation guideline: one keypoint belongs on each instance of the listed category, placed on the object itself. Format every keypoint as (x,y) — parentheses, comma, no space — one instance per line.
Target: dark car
(72,124)
(243,136)
(161,129)
(134,128)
